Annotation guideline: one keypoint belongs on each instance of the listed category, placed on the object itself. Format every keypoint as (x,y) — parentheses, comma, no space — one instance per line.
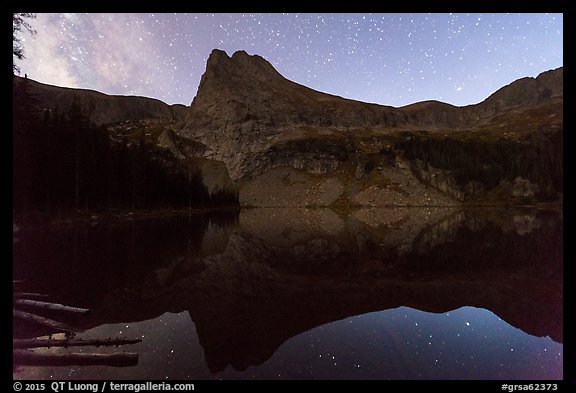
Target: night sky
(391,59)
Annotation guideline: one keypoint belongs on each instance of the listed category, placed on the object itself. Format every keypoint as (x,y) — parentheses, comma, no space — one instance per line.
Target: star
(359,56)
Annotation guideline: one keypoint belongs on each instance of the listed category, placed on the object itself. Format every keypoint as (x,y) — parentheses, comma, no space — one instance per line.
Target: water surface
(311,294)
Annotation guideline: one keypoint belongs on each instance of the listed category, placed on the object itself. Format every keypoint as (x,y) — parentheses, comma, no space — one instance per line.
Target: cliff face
(254,120)
(244,106)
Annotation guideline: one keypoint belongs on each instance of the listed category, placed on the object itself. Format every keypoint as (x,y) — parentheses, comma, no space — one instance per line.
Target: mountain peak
(240,63)
(244,104)
(216,56)
(237,78)
(241,53)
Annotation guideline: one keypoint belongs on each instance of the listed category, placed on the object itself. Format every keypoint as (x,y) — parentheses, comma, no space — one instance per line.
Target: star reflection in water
(308,294)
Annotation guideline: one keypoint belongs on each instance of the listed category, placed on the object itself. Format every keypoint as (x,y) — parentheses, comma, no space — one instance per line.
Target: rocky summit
(283,144)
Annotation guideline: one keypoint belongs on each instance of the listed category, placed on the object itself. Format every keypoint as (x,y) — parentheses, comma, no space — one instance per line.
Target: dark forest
(62,162)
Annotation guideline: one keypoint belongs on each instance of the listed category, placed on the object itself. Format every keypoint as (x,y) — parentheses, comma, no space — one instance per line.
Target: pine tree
(20,23)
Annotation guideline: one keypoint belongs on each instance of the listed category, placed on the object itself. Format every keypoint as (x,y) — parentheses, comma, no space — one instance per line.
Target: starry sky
(390,59)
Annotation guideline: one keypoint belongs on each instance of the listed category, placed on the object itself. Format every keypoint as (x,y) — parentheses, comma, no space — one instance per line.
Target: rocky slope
(102,108)
(287,145)
(283,144)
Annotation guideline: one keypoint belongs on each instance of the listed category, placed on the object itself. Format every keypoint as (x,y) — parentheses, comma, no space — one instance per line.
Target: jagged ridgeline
(254,136)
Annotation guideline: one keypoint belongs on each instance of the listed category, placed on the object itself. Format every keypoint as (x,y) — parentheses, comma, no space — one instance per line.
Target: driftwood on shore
(24,295)
(30,358)
(22,349)
(49,323)
(47,343)
(50,306)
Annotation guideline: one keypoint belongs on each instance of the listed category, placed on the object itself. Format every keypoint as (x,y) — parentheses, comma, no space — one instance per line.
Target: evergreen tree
(20,23)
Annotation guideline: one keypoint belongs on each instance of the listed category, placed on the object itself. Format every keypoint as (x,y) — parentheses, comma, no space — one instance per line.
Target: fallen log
(22,295)
(47,343)
(30,358)
(50,306)
(50,323)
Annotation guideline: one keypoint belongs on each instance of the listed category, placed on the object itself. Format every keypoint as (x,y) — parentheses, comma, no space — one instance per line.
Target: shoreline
(76,217)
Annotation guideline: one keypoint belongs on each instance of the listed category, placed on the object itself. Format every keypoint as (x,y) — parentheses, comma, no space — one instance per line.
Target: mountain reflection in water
(251,283)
